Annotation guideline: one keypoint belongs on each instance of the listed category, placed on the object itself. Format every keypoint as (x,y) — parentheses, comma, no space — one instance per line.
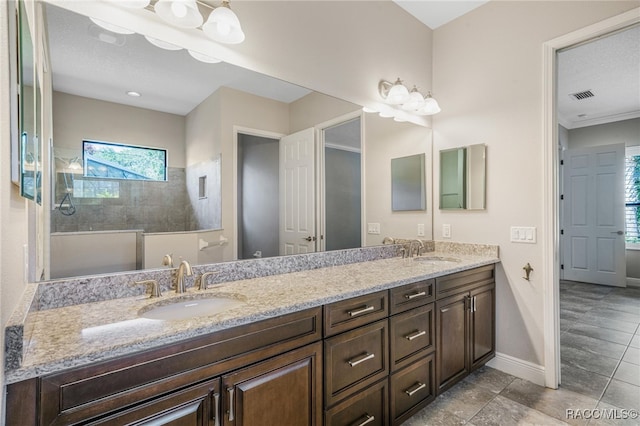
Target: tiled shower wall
(149,206)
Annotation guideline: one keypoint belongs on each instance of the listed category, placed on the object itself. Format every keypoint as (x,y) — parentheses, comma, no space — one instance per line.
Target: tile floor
(600,352)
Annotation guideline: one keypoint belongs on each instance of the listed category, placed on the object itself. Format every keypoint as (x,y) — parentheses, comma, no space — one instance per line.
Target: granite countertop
(77,335)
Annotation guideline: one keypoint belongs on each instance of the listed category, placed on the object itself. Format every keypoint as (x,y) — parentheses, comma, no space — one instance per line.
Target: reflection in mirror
(463,178)
(194,214)
(408,183)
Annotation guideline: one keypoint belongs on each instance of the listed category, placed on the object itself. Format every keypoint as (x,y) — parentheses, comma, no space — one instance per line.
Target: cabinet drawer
(412,295)
(351,313)
(412,335)
(369,407)
(355,360)
(411,389)
(464,281)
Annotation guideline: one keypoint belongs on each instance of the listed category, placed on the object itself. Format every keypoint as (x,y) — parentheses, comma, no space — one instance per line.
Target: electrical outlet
(373,228)
(421,230)
(446,231)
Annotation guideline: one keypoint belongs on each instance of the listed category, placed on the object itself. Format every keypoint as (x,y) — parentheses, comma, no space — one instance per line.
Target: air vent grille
(582,95)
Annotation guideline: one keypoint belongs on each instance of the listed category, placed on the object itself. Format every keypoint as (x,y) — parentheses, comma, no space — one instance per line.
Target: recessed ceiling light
(134,94)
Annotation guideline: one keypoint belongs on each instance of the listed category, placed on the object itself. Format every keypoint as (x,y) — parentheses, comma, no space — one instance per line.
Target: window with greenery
(119,161)
(632,195)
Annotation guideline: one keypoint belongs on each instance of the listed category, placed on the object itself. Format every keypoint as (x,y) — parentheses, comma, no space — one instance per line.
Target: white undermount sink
(435,259)
(184,308)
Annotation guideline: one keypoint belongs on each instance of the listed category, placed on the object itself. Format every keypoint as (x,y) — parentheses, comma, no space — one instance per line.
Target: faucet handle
(152,285)
(201,282)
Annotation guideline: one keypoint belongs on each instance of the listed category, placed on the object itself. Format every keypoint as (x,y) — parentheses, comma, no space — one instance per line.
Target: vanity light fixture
(162,44)
(403,101)
(203,58)
(180,13)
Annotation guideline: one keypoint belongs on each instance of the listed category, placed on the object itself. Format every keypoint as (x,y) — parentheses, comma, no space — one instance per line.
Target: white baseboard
(518,367)
(633,282)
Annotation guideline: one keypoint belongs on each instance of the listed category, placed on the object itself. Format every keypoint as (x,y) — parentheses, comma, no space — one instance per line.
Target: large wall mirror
(463,178)
(206,116)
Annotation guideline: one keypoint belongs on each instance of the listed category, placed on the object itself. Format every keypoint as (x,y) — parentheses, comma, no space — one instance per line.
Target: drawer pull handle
(366,421)
(231,414)
(410,337)
(419,387)
(361,311)
(414,295)
(366,357)
(216,407)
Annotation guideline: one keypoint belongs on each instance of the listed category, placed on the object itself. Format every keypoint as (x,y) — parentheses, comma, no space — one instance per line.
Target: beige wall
(387,139)
(487,77)
(317,108)
(76,118)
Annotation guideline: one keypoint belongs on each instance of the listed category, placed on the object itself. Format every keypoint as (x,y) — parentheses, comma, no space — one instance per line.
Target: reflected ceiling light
(204,58)
(369,110)
(223,25)
(406,102)
(111,27)
(134,94)
(181,13)
(162,44)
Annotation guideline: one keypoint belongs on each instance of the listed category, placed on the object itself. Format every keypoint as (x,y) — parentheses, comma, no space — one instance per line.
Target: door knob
(310,238)
(618,232)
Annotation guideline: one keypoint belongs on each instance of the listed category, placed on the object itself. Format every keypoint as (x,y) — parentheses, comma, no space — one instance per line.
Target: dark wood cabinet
(285,390)
(195,406)
(465,324)
(374,359)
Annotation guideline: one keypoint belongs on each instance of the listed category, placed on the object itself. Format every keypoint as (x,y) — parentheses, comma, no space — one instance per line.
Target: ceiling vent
(582,95)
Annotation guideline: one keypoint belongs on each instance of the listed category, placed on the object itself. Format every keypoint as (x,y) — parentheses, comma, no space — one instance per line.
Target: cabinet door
(195,406)
(285,390)
(482,327)
(452,335)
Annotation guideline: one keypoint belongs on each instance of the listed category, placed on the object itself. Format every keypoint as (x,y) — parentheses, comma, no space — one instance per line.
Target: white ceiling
(85,66)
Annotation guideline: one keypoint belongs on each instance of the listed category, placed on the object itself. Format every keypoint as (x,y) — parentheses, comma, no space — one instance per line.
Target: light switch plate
(421,230)
(523,234)
(446,231)
(373,228)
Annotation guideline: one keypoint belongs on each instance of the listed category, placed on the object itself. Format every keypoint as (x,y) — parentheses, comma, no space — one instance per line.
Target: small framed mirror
(463,178)
(408,183)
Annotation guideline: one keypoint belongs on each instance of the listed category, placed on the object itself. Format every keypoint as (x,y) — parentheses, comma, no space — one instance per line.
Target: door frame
(320,205)
(251,132)
(551,185)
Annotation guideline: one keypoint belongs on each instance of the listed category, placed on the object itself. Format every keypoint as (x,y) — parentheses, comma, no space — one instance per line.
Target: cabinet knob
(361,311)
(415,335)
(418,387)
(368,419)
(356,361)
(232,417)
(413,296)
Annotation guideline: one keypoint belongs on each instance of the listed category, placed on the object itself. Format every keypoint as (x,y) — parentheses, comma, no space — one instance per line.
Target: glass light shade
(181,13)
(223,26)
(387,112)
(111,27)
(368,110)
(430,106)
(415,102)
(398,93)
(204,58)
(162,44)
(134,4)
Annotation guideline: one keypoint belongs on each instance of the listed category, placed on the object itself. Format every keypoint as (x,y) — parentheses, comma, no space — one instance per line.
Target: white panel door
(593,223)
(297,195)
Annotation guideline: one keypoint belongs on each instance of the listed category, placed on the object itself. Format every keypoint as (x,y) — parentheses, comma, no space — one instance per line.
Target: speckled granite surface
(71,336)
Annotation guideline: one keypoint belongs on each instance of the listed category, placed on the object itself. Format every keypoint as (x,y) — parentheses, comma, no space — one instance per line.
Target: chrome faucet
(183,268)
(418,249)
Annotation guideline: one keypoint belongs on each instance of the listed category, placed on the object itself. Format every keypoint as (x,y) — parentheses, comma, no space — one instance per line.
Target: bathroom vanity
(366,343)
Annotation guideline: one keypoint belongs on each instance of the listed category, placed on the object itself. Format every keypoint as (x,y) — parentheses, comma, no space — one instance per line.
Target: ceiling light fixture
(413,102)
